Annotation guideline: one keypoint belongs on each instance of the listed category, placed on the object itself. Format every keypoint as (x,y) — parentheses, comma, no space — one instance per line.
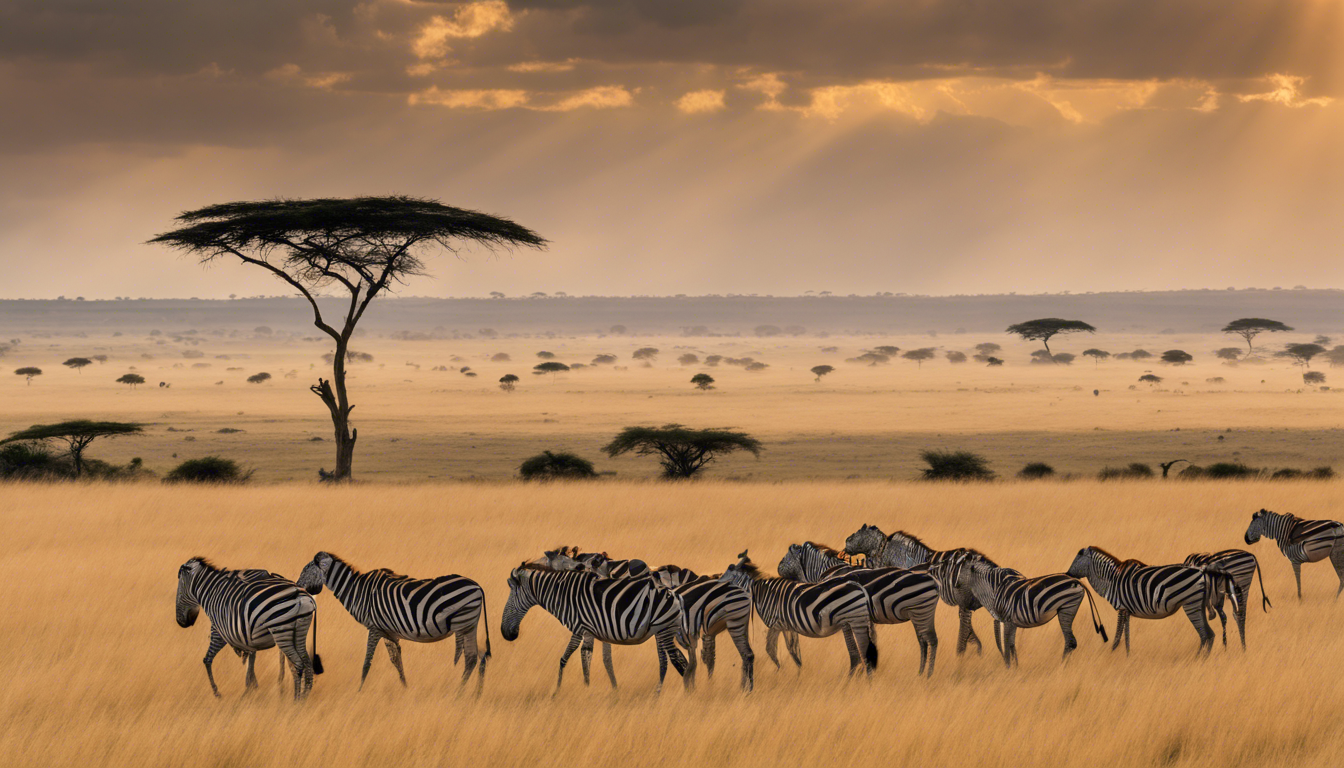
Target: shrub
(688,359)
(131,380)
(955,465)
(955,357)
(1216,380)
(993,362)
(822,370)
(604,360)
(507,382)
(703,381)
(756,367)
(1313,377)
(259,378)
(645,353)
(31,461)
(1149,378)
(501,357)
(208,469)
(556,466)
(1228,470)
(1036,470)
(1135,471)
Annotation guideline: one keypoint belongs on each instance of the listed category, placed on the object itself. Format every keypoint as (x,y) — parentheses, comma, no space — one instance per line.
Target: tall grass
(97,673)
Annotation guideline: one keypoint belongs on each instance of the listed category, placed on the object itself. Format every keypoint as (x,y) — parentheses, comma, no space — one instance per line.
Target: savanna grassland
(97,672)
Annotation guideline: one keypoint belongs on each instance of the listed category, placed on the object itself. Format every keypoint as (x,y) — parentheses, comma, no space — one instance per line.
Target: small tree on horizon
(131,379)
(544,355)
(955,357)
(703,381)
(1250,327)
(955,465)
(1335,356)
(561,465)
(887,349)
(29,372)
(77,363)
(682,452)
(688,359)
(259,378)
(1046,328)
(77,435)
(508,382)
(1150,378)
(993,362)
(1097,355)
(1313,377)
(648,354)
(920,355)
(551,367)
(1177,357)
(1301,354)
(822,370)
(1230,354)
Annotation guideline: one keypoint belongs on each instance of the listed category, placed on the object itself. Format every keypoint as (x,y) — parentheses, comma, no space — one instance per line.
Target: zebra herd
(819,592)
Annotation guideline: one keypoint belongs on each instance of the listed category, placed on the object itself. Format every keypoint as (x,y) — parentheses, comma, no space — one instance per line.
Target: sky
(696,146)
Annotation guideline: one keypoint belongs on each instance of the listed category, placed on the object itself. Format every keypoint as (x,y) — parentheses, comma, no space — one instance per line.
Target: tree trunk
(333,395)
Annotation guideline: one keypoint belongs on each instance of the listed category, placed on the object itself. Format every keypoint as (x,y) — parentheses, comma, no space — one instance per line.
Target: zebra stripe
(395,608)
(810,610)
(895,595)
(1241,567)
(1019,602)
(904,550)
(249,615)
(1146,591)
(1301,541)
(618,611)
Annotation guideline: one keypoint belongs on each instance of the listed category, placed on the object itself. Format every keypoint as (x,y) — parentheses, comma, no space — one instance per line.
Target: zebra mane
(205,561)
(911,537)
(337,558)
(543,568)
(978,555)
(827,550)
(1119,562)
(752,570)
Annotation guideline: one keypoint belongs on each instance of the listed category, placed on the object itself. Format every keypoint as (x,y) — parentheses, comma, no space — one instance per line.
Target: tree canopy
(1250,327)
(131,379)
(920,355)
(77,363)
(550,367)
(1228,353)
(1046,328)
(703,381)
(1177,357)
(77,435)
(682,451)
(645,353)
(28,372)
(556,466)
(362,245)
(507,382)
(1301,354)
(1097,355)
(821,370)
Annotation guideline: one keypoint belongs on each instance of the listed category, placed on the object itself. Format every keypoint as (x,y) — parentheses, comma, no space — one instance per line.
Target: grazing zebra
(249,615)
(1241,567)
(395,608)
(895,595)
(1019,602)
(619,611)
(810,610)
(1134,588)
(249,658)
(903,550)
(1301,541)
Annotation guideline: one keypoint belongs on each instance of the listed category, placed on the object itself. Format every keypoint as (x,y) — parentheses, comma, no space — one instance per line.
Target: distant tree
(259,378)
(993,361)
(688,359)
(1301,354)
(556,466)
(489,333)
(1036,470)
(795,330)
(77,435)
(821,370)
(920,355)
(1064,358)
(1140,354)
(1149,378)
(1231,354)
(77,363)
(507,382)
(29,372)
(755,366)
(887,349)
(645,353)
(1335,356)
(351,356)
(131,380)
(986,348)
(955,357)
(1313,377)
(682,452)
(766,331)
(100,358)
(551,367)
(618,330)
(1097,355)
(363,245)
(208,469)
(1177,357)
(500,357)
(1250,327)
(1324,341)
(703,381)
(713,360)
(1046,328)
(604,360)
(955,465)
(870,358)
(544,355)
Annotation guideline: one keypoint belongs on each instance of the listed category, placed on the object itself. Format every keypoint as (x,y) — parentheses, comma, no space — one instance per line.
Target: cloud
(471,99)
(543,66)
(602,97)
(698,102)
(292,74)
(1287,90)
(468,21)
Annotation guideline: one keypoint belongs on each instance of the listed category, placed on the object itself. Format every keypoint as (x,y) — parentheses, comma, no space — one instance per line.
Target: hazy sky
(693,146)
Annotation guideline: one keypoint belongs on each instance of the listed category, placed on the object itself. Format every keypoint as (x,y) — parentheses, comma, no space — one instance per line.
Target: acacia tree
(1301,354)
(551,368)
(703,381)
(1250,327)
(363,246)
(1097,355)
(29,372)
(1231,354)
(77,435)
(507,382)
(682,451)
(131,379)
(822,370)
(1177,357)
(1046,328)
(77,363)
(920,355)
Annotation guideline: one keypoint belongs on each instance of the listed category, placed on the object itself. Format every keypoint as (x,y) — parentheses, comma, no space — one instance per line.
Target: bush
(32,461)
(1036,470)
(259,378)
(955,465)
(1319,473)
(1228,470)
(208,469)
(1135,471)
(1313,377)
(703,381)
(556,466)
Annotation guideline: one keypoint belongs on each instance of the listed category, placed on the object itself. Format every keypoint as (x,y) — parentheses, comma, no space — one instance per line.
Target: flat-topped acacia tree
(1046,328)
(77,435)
(1250,327)
(362,246)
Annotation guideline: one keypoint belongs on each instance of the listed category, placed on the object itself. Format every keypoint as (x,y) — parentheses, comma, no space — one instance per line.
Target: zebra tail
(317,660)
(485,616)
(1265,605)
(1096,619)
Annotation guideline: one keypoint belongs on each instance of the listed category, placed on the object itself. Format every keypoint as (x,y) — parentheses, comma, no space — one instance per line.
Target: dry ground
(97,673)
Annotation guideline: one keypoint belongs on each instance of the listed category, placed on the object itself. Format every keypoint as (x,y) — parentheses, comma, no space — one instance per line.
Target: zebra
(619,611)
(248,657)
(895,595)
(709,607)
(904,550)
(810,610)
(1134,588)
(1241,567)
(395,608)
(1019,602)
(249,615)
(1301,541)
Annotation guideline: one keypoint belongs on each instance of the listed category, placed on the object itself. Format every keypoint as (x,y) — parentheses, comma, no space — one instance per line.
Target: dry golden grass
(97,673)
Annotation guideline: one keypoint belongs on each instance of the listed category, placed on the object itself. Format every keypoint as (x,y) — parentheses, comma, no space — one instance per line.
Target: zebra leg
(284,665)
(1120,617)
(574,641)
(1222,619)
(1239,611)
(688,677)
(1196,615)
(667,649)
(586,656)
(374,637)
(852,644)
(458,648)
(606,662)
(795,651)
(928,641)
(863,637)
(772,645)
(394,653)
(1066,616)
(1009,644)
(743,642)
(251,673)
(1337,560)
(472,655)
(216,645)
(1126,633)
(966,632)
(294,644)
(707,654)
(1297,573)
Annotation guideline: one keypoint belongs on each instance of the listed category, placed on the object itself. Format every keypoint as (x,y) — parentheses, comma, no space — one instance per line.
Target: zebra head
(597,562)
(520,600)
(560,560)
(1084,563)
(314,574)
(188,607)
(866,541)
(975,574)
(742,573)
(791,566)
(1257,528)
